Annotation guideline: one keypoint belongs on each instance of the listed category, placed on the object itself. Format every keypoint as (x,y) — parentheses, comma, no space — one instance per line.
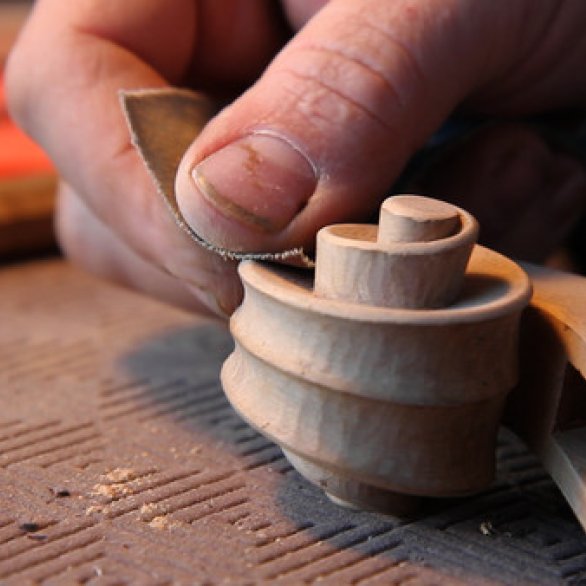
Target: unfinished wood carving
(548,407)
(386,379)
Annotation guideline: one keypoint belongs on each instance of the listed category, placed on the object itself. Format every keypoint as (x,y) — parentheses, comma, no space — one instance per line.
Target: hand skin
(312,136)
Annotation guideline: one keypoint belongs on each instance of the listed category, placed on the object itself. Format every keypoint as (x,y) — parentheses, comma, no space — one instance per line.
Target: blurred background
(27,178)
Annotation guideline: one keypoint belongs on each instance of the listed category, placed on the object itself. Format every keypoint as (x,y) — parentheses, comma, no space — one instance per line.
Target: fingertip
(244,195)
(354,111)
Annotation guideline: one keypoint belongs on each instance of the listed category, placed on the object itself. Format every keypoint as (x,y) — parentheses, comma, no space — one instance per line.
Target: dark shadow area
(572,405)
(192,352)
(478,290)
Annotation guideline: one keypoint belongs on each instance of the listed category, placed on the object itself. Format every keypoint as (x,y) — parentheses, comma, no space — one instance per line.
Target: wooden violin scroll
(385,379)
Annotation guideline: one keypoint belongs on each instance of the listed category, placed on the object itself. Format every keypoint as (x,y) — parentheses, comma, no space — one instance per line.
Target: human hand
(318,139)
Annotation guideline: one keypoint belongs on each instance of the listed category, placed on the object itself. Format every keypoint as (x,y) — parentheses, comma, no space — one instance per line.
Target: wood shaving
(150,510)
(111,491)
(119,475)
(163,522)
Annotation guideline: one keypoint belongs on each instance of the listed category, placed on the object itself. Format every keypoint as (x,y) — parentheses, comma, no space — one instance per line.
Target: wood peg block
(413,218)
(416,258)
(384,379)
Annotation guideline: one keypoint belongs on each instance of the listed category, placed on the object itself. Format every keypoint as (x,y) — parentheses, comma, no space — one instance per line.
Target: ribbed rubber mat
(121,462)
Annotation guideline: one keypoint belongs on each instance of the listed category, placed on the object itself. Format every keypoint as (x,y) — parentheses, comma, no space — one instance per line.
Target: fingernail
(261,182)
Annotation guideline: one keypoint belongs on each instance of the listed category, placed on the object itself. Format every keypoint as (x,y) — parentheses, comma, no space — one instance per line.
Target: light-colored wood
(548,408)
(412,218)
(372,401)
(416,258)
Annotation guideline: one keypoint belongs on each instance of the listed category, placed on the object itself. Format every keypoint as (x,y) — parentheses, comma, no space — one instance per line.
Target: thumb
(324,132)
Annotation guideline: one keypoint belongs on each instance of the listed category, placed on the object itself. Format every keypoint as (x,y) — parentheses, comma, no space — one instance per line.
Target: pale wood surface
(415,259)
(412,218)
(370,398)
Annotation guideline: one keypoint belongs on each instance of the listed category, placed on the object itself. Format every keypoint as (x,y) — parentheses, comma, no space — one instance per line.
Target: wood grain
(372,393)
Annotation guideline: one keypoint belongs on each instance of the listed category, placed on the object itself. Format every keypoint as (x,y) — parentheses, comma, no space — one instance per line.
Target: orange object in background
(19,155)
(27,191)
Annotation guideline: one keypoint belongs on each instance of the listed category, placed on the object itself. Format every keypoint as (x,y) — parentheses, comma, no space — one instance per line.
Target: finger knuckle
(333,88)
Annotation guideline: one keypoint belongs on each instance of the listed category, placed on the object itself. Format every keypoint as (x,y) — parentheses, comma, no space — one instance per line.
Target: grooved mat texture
(121,462)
